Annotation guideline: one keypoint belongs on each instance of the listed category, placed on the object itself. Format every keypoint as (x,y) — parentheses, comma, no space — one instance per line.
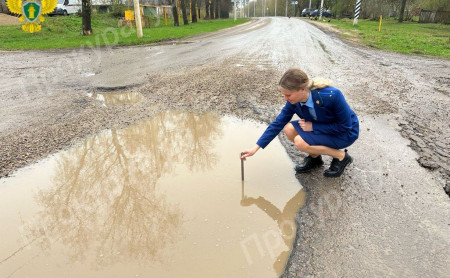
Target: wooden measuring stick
(242,166)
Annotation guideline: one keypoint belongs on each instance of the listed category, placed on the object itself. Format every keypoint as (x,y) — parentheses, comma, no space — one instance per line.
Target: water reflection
(285,220)
(112,99)
(157,199)
(105,202)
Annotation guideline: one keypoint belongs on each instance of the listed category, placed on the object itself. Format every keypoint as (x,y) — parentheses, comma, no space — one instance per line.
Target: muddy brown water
(162,198)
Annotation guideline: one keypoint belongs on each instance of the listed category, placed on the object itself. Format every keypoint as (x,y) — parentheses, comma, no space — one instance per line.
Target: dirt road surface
(8,20)
(387,216)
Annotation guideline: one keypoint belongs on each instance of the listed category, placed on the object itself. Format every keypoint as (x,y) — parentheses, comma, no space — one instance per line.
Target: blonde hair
(296,79)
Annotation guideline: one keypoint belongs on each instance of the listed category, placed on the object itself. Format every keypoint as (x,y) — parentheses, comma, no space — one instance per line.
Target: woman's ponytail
(319,83)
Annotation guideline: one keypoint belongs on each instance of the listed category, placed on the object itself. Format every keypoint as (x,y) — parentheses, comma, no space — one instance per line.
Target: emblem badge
(31,12)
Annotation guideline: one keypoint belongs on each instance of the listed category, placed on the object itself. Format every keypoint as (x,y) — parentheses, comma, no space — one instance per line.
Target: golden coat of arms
(31,12)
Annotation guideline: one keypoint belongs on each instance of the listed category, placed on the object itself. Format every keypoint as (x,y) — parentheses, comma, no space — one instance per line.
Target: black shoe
(337,167)
(309,163)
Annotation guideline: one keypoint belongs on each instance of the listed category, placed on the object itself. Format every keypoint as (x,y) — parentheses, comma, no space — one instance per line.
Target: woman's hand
(306,126)
(247,153)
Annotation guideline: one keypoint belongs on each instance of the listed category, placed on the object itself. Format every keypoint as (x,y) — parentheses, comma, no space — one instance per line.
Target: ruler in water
(242,166)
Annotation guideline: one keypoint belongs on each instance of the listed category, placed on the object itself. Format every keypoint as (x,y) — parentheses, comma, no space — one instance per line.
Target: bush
(118,10)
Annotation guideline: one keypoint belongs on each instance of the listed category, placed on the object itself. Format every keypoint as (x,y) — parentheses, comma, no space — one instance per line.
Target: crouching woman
(326,126)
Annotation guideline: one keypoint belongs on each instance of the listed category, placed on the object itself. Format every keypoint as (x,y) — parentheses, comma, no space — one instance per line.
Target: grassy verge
(407,37)
(65,32)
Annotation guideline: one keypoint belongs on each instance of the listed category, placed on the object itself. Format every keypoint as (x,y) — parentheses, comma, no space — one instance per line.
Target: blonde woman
(326,126)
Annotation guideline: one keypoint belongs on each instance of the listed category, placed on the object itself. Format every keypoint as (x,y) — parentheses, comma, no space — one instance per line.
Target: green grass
(407,37)
(65,32)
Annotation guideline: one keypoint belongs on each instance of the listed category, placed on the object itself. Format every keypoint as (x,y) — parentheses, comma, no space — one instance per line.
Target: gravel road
(387,216)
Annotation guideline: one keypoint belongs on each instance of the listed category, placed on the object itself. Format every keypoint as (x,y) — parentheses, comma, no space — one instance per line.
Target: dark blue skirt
(327,140)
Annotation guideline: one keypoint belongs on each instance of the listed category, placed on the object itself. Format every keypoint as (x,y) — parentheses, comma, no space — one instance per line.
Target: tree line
(213,9)
(370,9)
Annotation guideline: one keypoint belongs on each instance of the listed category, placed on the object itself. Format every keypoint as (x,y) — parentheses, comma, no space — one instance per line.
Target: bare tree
(217,8)
(86,17)
(175,13)
(194,11)
(183,11)
(212,4)
(207,4)
(402,11)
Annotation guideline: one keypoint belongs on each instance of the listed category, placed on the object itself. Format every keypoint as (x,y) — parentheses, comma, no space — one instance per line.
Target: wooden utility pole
(286,7)
(234,10)
(137,18)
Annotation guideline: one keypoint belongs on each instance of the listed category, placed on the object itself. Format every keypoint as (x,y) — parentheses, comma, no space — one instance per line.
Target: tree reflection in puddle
(158,199)
(104,198)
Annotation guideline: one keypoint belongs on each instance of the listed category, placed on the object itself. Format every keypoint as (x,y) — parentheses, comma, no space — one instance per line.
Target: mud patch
(246,92)
(324,48)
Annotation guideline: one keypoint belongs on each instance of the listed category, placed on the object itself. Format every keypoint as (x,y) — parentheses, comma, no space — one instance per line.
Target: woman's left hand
(306,126)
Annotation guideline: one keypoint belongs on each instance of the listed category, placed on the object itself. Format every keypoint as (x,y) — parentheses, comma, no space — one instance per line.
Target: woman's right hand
(246,153)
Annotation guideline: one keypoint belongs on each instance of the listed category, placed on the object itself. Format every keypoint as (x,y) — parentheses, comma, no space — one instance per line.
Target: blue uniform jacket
(334,117)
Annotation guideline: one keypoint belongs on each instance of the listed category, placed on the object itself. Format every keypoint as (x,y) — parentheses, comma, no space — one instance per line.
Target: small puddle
(162,198)
(113,99)
(87,74)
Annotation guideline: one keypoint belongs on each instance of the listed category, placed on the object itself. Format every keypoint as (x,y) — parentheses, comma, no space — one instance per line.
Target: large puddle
(162,198)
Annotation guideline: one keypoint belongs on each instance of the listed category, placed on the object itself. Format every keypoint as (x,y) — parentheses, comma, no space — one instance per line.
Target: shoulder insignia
(327,94)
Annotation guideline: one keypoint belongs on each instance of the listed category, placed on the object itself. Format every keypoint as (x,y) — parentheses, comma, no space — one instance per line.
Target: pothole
(162,198)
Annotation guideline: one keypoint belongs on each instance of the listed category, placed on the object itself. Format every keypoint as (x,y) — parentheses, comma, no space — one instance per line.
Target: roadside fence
(427,16)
